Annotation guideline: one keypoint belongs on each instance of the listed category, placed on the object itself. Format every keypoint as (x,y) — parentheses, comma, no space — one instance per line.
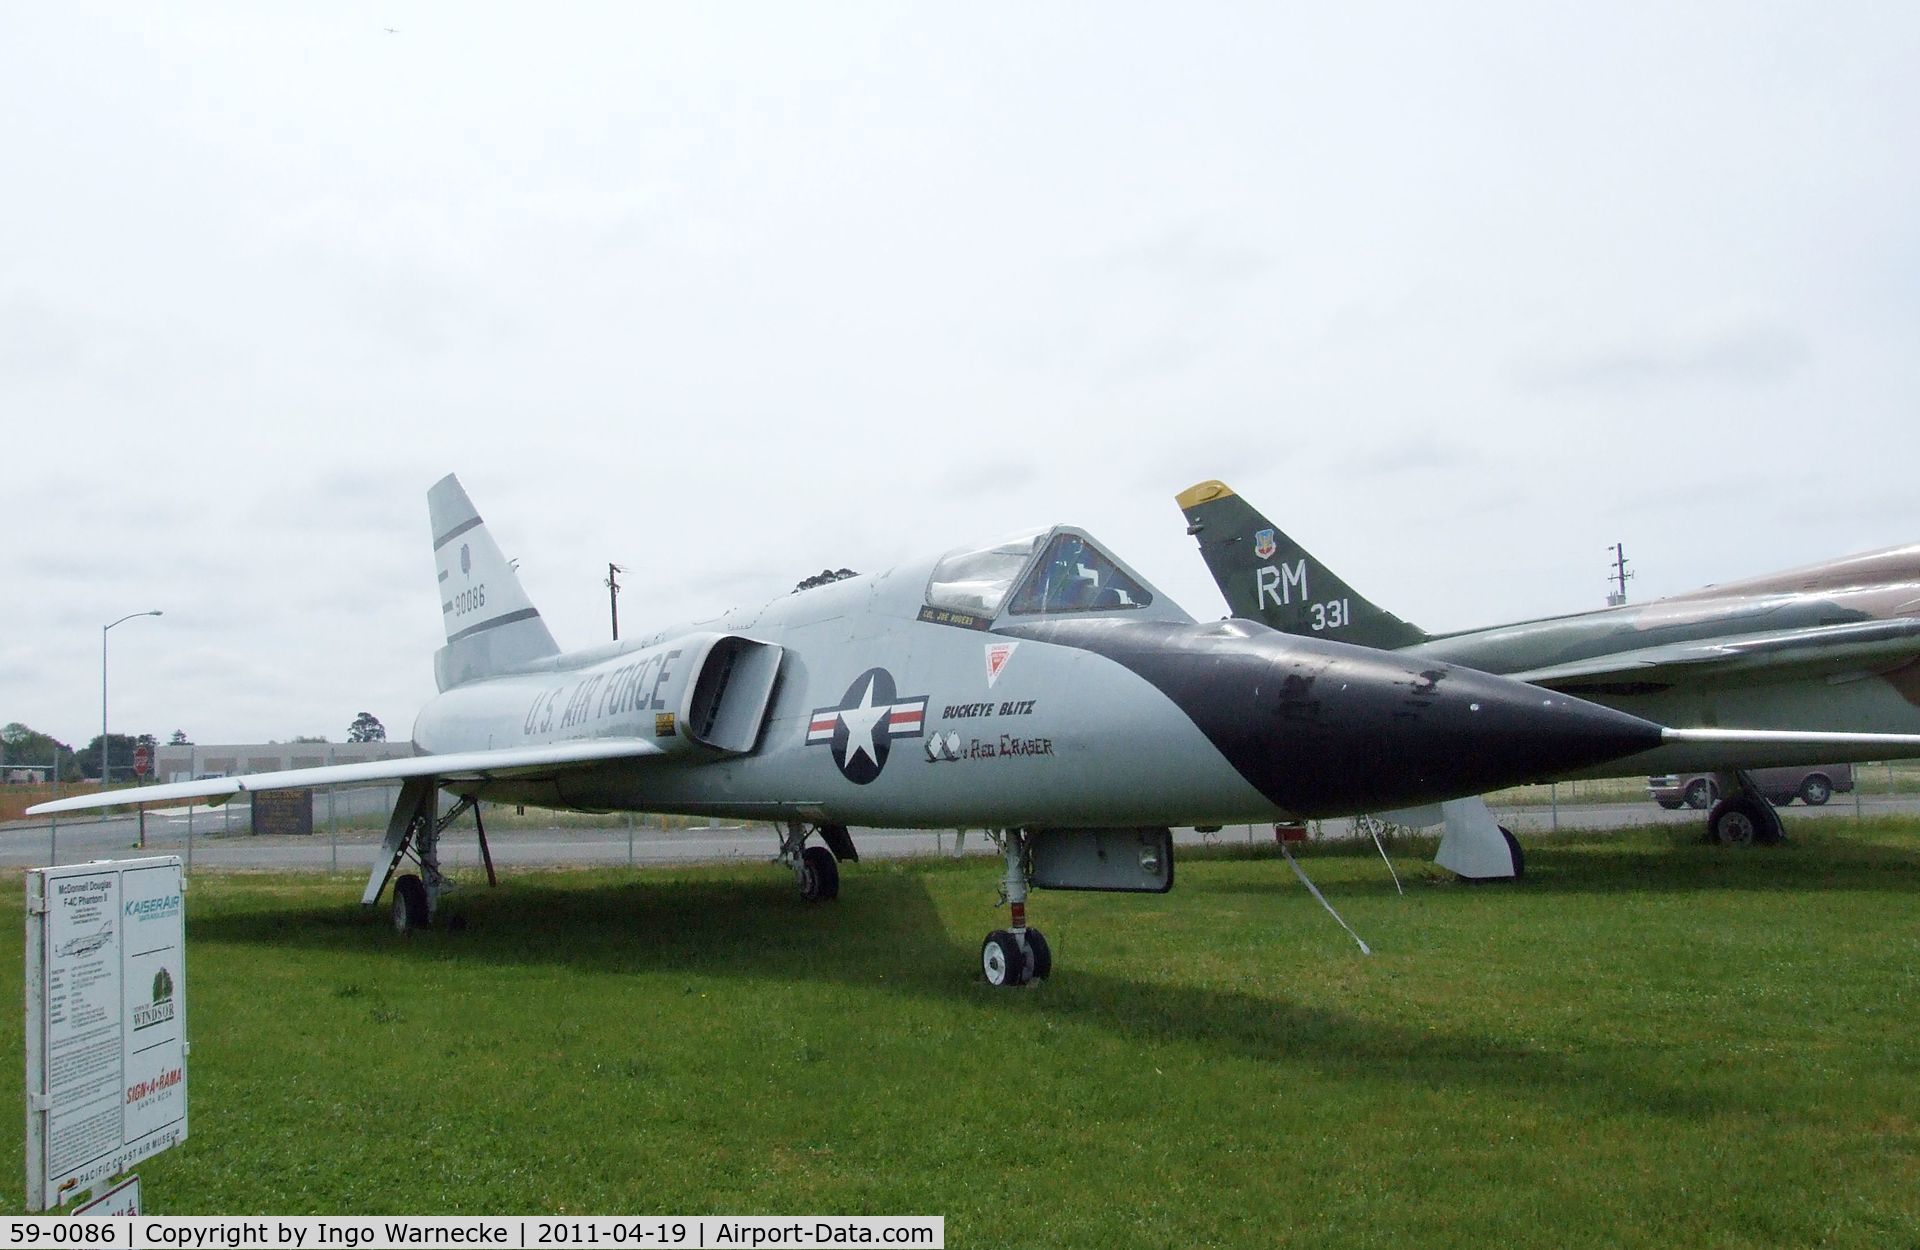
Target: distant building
(193,761)
(23,775)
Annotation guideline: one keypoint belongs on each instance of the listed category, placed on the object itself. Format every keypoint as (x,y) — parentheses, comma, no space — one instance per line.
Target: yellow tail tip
(1203,492)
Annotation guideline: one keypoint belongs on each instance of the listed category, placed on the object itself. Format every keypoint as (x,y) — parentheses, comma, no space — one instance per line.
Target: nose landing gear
(1018,955)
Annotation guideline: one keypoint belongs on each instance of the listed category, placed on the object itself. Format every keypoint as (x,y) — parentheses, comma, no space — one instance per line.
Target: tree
(119,755)
(179,739)
(299,738)
(366,727)
(26,747)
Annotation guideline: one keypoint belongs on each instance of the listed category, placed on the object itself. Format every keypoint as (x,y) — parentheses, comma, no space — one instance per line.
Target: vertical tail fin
(1266,576)
(492,627)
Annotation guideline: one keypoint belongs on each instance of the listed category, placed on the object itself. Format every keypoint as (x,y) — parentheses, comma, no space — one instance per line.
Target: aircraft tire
(819,875)
(1039,956)
(1001,960)
(1738,821)
(409,903)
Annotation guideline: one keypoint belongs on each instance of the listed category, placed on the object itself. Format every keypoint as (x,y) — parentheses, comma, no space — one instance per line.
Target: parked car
(1811,784)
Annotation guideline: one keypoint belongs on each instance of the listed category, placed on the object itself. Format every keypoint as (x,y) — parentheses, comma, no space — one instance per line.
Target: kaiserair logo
(160,1010)
(868,717)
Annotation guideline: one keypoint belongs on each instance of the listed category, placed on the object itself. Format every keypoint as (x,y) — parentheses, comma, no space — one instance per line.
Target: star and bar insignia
(868,717)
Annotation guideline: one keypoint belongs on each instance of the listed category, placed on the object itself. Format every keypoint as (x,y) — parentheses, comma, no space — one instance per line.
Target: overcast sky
(1459,295)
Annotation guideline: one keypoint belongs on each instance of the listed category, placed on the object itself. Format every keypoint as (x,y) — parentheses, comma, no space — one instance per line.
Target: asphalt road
(219,842)
(1542,818)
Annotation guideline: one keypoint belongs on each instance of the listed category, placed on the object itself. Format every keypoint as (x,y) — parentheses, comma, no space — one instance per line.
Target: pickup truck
(1811,784)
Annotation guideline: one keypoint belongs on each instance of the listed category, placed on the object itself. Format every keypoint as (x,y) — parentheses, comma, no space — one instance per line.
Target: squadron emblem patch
(998,653)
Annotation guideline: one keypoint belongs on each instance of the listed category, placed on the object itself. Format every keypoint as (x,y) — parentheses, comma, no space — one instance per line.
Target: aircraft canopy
(1064,572)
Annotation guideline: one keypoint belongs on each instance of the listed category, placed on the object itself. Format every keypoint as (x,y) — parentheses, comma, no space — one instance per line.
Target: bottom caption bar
(332,1232)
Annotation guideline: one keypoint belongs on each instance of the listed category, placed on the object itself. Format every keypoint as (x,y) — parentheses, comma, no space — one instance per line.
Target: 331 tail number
(1332,614)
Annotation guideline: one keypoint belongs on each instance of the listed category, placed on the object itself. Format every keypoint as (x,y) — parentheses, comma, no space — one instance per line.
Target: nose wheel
(1005,960)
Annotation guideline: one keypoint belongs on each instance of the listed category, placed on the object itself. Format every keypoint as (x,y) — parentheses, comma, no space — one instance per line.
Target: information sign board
(122,1199)
(106,1022)
(283,811)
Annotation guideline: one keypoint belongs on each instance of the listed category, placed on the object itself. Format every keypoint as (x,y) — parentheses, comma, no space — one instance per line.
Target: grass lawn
(1649,1042)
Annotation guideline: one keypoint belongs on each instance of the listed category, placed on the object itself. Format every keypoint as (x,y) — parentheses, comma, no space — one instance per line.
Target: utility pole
(1618,577)
(613,596)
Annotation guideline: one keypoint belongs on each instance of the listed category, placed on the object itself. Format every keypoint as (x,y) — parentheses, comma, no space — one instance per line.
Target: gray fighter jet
(1833,646)
(1036,687)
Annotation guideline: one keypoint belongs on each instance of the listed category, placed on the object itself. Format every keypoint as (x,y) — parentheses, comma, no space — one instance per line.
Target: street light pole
(105,775)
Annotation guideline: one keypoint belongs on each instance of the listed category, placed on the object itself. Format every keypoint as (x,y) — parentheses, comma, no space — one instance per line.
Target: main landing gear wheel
(409,904)
(1742,820)
(819,875)
(1001,959)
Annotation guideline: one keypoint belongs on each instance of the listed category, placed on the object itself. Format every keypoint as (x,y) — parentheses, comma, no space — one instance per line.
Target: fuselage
(870,704)
(1879,586)
(1837,690)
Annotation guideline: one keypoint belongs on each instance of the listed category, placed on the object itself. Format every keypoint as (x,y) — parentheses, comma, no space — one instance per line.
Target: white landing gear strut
(413,832)
(1016,955)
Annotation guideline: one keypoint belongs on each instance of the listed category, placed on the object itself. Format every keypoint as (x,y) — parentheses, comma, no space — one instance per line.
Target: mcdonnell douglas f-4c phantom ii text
(1035,687)
(1831,647)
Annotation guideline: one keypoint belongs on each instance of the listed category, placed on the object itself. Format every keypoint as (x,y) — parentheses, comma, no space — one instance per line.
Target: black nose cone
(1436,731)
(1325,729)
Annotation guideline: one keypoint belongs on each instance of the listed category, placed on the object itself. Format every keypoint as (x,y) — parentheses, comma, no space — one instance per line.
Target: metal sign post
(106,1022)
(190,775)
(53,822)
